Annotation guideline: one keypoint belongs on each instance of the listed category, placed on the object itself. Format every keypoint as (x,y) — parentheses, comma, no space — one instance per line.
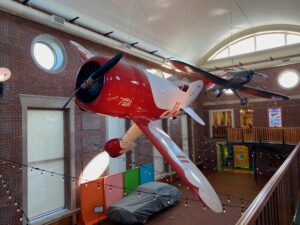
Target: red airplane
(114,88)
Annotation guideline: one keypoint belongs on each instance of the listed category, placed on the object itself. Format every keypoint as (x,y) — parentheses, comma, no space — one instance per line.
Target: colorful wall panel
(93,208)
(113,188)
(131,180)
(146,173)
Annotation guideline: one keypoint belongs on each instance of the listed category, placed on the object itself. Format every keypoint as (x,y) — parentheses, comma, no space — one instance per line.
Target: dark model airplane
(234,80)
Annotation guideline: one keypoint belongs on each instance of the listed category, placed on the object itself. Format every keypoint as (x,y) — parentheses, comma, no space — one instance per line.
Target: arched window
(256,42)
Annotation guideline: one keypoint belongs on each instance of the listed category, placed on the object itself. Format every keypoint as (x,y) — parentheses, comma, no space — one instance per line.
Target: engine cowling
(113,147)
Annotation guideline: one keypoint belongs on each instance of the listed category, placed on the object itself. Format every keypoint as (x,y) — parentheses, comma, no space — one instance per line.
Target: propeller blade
(107,66)
(70,98)
(102,70)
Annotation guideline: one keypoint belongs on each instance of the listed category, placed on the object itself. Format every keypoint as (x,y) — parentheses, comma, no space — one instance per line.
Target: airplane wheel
(244,101)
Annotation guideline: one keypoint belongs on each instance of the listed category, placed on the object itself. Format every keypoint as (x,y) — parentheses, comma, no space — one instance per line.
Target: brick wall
(16,36)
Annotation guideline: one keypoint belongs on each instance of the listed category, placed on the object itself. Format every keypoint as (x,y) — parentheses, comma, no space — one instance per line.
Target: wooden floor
(241,185)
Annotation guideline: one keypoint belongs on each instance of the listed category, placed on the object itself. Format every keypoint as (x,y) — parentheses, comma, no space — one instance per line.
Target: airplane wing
(261,92)
(202,74)
(184,167)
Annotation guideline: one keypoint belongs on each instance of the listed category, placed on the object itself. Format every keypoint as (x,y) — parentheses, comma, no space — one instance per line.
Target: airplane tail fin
(192,93)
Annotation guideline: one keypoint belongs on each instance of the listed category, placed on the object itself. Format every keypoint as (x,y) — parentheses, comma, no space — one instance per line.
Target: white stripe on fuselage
(164,92)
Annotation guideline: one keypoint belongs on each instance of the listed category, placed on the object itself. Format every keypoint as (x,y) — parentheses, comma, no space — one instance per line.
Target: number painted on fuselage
(125,102)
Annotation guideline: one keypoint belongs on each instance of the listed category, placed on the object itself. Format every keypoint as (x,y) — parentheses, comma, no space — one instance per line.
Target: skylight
(256,42)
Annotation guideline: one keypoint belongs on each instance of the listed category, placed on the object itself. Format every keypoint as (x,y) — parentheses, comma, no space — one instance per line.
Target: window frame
(45,102)
(59,52)
(211,120)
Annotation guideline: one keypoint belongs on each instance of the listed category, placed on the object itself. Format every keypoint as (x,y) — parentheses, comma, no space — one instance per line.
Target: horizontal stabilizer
(193,114)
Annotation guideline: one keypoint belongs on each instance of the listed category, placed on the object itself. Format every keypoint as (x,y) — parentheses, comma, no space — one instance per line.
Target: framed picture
(275,117)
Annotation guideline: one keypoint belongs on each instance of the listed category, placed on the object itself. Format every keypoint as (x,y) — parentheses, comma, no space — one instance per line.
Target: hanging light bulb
(110,189)
(169,200)
(139,195)
(204,206)
(228,199)
(224,210)
(186,202)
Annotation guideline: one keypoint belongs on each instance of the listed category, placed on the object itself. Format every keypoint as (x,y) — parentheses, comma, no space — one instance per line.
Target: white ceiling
(183,29)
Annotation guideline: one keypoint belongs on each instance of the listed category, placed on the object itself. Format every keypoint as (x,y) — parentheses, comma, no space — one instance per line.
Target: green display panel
(131,180)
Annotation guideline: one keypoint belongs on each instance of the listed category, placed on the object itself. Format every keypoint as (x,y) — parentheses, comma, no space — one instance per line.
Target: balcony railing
(289,135)
(276,204)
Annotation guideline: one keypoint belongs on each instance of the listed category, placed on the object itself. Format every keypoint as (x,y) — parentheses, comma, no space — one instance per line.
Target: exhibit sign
(241,156)
(275,119)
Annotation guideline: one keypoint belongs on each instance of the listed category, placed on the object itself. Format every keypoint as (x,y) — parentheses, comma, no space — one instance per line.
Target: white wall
(115,128)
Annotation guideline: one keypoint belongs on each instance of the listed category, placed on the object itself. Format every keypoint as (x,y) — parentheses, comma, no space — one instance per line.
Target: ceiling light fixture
(5,74)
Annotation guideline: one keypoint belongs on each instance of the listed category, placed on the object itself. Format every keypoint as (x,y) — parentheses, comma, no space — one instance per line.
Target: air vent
(57,20)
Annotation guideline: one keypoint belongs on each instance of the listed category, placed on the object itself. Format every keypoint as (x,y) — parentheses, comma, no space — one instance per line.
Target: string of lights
(14,199)
(64,177)
(268,155)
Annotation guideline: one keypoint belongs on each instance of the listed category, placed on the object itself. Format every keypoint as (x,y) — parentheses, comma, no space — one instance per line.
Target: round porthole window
(48,53)
(288,79)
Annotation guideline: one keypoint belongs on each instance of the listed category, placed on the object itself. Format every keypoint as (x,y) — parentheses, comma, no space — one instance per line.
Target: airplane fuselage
(127,92)
(236,80)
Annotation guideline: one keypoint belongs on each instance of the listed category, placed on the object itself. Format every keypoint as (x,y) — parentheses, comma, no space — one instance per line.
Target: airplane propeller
(95,75)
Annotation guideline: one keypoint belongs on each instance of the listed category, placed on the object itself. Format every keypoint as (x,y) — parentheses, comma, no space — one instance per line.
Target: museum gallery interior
(164,112)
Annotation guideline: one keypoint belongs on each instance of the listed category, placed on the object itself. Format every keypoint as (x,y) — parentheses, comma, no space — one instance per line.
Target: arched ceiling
(183,29)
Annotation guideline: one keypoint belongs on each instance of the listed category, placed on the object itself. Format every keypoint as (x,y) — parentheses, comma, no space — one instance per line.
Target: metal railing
(276,203)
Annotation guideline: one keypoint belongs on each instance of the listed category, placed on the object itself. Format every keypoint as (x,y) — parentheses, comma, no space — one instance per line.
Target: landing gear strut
(244,101)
